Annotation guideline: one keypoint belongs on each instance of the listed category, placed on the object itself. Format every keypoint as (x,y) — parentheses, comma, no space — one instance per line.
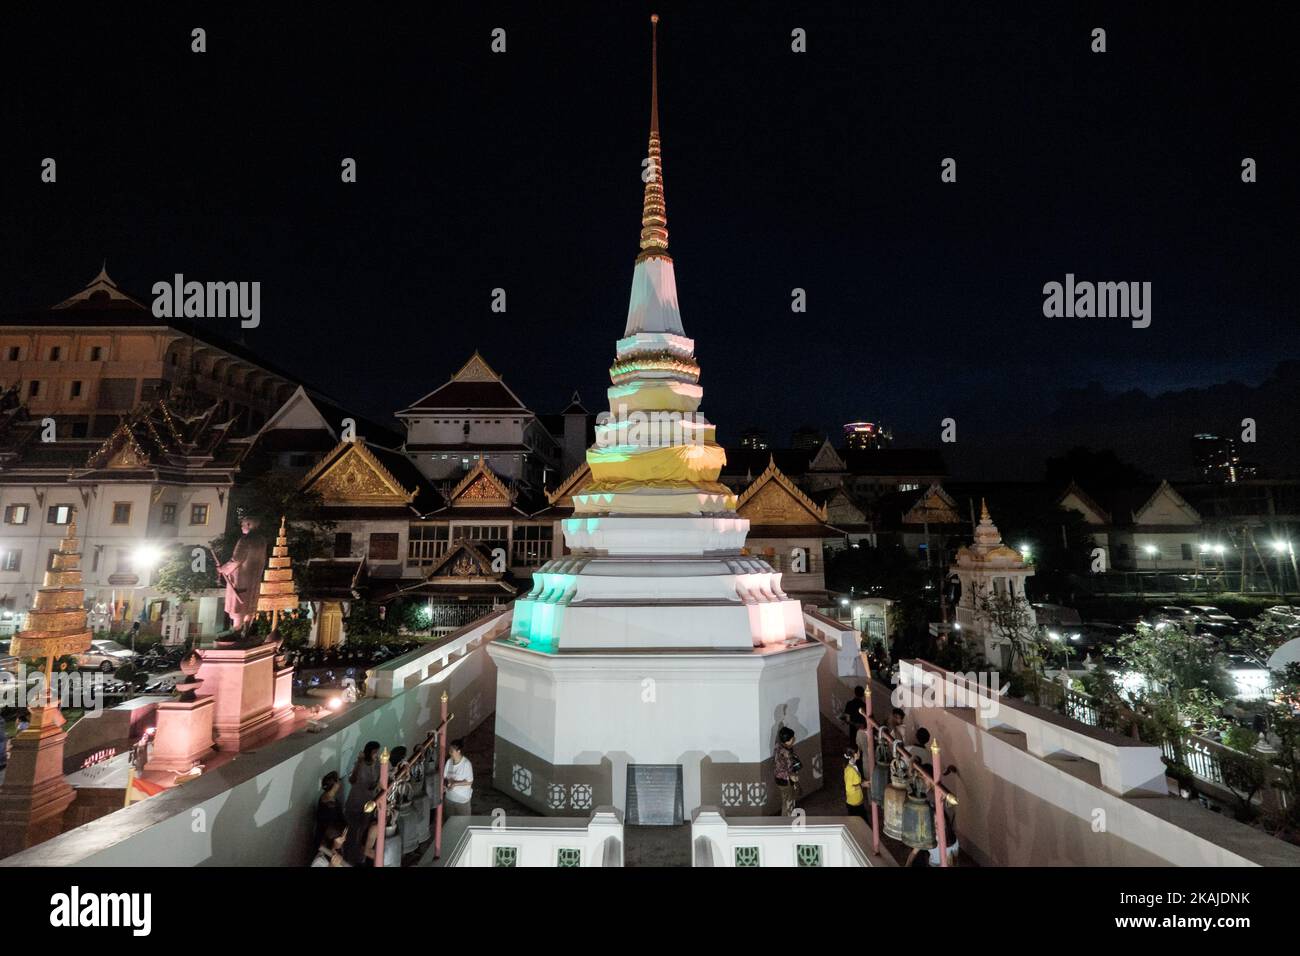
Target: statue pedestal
(184,735)
(284,691)
(35,795)
(242,683)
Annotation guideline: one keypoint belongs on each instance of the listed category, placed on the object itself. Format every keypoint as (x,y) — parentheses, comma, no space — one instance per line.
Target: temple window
(383,546)
(121,512)
(343,544)
(426,544)
(532,545)
(198,514)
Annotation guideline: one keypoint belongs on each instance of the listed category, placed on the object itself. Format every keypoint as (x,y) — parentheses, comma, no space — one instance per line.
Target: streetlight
(146,557)
(1284,547)
(1026,551)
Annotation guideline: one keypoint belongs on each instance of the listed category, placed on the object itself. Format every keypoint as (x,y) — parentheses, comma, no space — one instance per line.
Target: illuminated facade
(657,643)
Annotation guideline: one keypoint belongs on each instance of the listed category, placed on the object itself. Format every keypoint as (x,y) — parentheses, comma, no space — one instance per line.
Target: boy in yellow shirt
(855,800)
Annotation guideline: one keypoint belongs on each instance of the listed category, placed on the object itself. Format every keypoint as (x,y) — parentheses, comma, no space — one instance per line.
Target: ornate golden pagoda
(278,593)
(56,624)
(35,795)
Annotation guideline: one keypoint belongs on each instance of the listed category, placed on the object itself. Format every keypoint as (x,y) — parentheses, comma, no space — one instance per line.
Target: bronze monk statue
(243,574)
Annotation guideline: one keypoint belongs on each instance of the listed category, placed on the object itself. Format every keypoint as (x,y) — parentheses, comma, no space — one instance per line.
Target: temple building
(160,479)
(992,576)
(652,667)
(473,418)
(100,354)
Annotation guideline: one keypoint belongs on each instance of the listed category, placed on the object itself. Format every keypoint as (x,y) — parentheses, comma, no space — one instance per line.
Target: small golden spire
(654,213)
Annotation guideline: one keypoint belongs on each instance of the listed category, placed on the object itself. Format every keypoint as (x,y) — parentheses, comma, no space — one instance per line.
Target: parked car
(1176,615)
(1096,633)
(105,655)
(1056,615)
(1284,614)
(1206,612)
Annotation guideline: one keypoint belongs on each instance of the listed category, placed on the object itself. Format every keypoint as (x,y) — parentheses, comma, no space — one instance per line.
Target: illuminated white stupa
(657,643)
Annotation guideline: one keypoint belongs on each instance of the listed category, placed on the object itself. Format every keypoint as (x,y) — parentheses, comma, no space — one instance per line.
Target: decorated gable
(481,488)
(351,474)
(1167,507)
(934,507)
(774,499)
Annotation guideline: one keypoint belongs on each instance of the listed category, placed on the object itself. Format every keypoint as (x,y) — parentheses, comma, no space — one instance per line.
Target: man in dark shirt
(853,712)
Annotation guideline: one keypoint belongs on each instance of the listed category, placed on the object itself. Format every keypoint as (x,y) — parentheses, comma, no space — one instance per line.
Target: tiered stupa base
(568,726)
(35,794)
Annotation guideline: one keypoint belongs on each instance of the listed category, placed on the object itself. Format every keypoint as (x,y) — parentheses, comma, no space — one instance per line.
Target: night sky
(818,170)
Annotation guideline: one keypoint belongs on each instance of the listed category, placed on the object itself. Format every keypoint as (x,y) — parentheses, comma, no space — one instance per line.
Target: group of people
(857,775)
(347,827)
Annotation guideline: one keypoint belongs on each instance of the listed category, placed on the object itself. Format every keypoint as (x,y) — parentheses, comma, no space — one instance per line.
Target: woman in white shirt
(457,780)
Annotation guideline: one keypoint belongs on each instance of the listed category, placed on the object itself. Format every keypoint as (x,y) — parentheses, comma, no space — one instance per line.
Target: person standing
(364,781)
(785,767)
(458,780)
(852,714)
(855,801)
(329,810)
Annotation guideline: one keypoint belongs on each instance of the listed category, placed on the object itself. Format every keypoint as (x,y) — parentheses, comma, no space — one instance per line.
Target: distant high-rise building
(755,438)
(1217,460)
(867,435)
(807,437)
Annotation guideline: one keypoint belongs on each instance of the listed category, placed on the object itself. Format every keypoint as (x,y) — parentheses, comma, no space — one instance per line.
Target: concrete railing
(401,673)
(776,841)
(1032,789)
(1126,766)
(536,841)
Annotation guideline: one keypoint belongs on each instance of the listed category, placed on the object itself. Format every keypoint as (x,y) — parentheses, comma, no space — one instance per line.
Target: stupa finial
(654,213)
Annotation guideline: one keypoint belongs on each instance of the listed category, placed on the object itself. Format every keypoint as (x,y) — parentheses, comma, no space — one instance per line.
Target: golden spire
(278,592)
(654,214)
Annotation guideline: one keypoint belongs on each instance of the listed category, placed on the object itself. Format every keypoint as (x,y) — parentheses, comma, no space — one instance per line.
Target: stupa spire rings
(654,211)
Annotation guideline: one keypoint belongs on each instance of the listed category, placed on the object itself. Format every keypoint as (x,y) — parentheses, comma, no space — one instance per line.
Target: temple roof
(475,387)
(101,293)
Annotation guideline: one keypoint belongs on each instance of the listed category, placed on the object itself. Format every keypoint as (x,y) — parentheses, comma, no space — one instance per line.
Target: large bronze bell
(895,797)
(880,772)
(918,817)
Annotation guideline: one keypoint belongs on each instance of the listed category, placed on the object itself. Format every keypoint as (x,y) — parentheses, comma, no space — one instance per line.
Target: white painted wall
(654,708)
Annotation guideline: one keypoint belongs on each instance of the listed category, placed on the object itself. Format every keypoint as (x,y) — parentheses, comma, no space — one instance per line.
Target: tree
(1180,670)
(177,574)
(273,496)
(1011,618)
(370,623)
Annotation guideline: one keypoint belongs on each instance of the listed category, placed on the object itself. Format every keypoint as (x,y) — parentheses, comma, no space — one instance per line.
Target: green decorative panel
(568,856)
(808,854)
(505,856)
(747,856)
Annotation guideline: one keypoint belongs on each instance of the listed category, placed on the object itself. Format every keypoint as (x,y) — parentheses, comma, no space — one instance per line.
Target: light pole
(146,557)
(1284,547)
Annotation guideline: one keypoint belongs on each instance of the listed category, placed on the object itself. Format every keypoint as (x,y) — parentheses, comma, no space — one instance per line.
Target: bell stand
(941,796)
(382,798)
